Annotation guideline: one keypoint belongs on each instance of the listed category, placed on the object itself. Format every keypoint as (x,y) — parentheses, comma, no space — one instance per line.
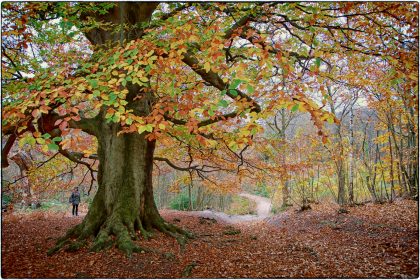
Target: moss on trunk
(123,207)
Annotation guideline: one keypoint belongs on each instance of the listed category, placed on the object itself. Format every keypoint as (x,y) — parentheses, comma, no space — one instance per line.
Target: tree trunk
(285,195)
(391,169)
(282,132)
(24,163)
(371,188)
(351,159)
(124,203)
(341,183)
(190,206)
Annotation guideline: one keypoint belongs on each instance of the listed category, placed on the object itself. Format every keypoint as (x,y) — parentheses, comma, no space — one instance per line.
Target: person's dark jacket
(74,198)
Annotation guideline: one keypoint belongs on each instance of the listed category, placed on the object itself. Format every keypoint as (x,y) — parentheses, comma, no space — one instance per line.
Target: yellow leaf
(40,141)
(207,66)
(20,129)
(245,133)
(22,142)
(181,51)
(162,126)
(141,129)
(81,87)
(253,114)
(112,81)
(212,143)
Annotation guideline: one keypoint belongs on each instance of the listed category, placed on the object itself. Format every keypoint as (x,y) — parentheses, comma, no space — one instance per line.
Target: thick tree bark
(123,205)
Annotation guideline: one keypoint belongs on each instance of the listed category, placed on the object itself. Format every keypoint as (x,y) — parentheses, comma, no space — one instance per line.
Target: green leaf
(46,136)
(250,89)
(112,96)
(57,139)
(235,83)
(295,107)
(233,146)
(318,62)
(31,141)
(53,147)
(234,92)
(149,128)
(395,81)
(330,119)
(134,52)
(223,103)
(93,83)
(115,118)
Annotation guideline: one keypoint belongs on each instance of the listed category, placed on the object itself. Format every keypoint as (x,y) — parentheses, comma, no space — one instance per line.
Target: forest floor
(370,241)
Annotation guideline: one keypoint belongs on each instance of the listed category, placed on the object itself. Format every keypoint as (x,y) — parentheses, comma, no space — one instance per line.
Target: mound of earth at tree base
(370,241)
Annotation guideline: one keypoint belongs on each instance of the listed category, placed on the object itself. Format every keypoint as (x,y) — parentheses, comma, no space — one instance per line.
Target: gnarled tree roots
(117,231)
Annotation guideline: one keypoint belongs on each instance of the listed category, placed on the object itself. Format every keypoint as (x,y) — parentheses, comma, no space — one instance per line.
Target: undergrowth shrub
(181,201)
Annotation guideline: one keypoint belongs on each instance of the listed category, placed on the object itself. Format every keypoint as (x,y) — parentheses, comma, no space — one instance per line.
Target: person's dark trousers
(75,208)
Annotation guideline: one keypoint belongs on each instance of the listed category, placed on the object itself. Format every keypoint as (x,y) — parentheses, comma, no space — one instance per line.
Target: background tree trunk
(351,160)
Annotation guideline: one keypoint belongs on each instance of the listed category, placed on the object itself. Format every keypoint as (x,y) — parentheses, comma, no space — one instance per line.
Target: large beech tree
(138,76)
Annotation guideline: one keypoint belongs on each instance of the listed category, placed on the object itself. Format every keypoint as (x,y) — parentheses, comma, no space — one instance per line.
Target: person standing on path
(75,200)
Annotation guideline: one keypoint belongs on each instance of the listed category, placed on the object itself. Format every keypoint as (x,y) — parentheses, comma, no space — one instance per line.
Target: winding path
(263,211)
(263,204)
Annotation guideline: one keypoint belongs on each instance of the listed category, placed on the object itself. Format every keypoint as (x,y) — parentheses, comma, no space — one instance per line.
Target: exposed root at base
(115,233)
(179,234)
